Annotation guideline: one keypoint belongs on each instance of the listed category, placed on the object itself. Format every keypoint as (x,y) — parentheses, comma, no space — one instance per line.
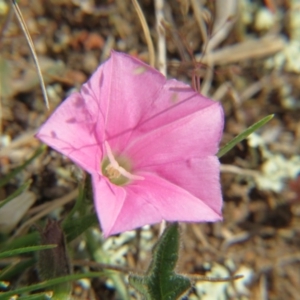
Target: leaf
(15,252)
(30,239)
(79,206)
(55,262)
(243,135)
(17,170)
(72,230)
(37,296)
(49,283)
(160,281)
(16,193)
(77,226)
(14,210)
(15,269)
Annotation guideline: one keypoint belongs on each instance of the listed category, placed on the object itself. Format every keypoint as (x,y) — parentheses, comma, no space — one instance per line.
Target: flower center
(112,173)
(117,170)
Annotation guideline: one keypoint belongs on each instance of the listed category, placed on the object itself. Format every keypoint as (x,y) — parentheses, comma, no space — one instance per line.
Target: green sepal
(54,262)
(160,281)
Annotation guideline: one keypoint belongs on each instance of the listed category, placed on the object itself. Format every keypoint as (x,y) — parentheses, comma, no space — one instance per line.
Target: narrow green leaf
(49,283)
(37,296)
(20,190)
(72,230)
(160,281)
(17,170)
(243,135)
(77,226)
(14,270)
(30,239)
(79,206)
(18,251)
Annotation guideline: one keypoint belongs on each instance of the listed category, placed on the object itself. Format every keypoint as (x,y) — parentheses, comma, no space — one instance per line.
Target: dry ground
(248,57)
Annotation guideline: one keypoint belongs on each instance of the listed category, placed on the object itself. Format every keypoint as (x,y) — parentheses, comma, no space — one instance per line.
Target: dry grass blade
(161,39)
(53,205)
(250,49)
(146,32)
(197,7)
(31,46)
(210,279)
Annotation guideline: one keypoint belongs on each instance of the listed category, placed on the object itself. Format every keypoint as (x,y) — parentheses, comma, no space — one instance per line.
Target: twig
(240,237)
(92,264)
(54,204)
(31,47)
(249,49)
(161,39)
(146,32)
(239,171)
(207,80)
(225,11)
(197,7)
(23,139)
(263,287)
(224,279)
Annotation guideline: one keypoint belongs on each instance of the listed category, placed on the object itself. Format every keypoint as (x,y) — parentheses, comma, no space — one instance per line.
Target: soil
(245,54)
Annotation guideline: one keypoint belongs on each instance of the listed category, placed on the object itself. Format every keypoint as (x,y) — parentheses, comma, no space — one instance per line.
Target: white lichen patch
(264,19)
(276,169)
(288,59)
(224,290)
(212,290)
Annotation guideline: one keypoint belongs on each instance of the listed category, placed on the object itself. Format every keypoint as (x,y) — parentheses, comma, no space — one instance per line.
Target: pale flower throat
(117,170)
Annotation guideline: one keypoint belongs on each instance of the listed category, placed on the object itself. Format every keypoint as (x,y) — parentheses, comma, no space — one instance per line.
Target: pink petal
(175,101)
(109,200)
(194,135)
(198,176)
(133,86)
(155,199)
(71,131)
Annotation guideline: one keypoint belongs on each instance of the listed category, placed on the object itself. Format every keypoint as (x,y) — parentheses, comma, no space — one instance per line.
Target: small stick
(161,41)
(101,266)
(197,7)
(54,204)
(31,47)
(224,279)
(146,32)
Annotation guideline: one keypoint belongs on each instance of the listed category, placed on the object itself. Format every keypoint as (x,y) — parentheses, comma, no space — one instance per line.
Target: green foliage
(79,225)
(55,262)
(49,283)
(20,190)
(15,269)
(243,135)
(160,281)
(54,254)
(15,252)
(17,170)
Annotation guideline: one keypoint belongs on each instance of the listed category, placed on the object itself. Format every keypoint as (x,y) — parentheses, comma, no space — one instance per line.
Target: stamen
(112,172)
(110,155)
(115,165)
(129,175)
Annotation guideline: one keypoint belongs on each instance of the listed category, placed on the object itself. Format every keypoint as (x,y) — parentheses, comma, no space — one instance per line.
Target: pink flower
(149,144)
